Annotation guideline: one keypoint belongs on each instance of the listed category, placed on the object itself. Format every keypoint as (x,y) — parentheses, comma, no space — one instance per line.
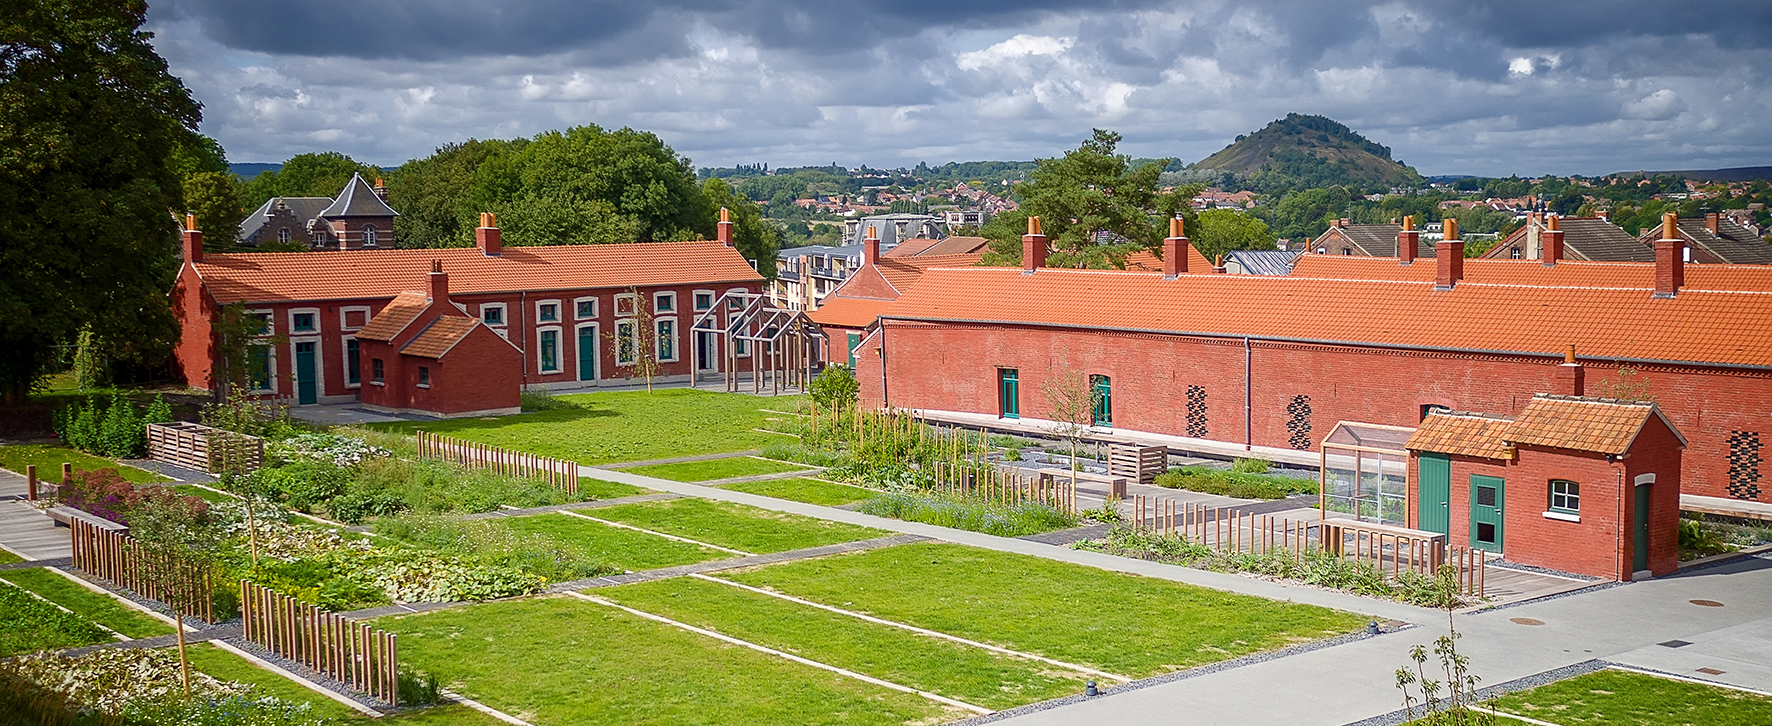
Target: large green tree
(756,239)
(1221,230)
(307,175)
(1095,205)
(90,120)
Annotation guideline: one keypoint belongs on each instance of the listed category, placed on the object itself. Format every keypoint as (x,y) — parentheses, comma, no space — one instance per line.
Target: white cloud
(1017,47)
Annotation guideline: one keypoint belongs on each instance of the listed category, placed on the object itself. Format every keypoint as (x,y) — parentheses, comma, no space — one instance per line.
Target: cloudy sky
(1545,86)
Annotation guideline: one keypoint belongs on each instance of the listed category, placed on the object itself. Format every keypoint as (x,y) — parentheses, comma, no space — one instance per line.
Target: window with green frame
(258,367)
(1008,393)
(1104,400)
(550,351)
(667,340)
(1565,496)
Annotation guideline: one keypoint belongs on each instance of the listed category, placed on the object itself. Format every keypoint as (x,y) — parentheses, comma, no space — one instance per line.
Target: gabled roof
(394,317)
(1698,326)
(1599,425)
(849,312)
(1142,261)
(1375,240)
(358,200)
(1731,243)
(370,274)
(305,210)
(1634,275)
(1263,262)
(938,247)
(440,336)
(1463,434)
(1587,239)
(904,272)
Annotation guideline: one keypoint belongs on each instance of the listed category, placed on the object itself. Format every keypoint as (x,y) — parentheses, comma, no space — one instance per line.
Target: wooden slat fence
(560,473)
(353,653)
(202,448)
(120,559)
(1226,529)
(996,485)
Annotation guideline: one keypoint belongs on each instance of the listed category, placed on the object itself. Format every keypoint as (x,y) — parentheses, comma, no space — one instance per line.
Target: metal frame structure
(1357,444)
(783,343)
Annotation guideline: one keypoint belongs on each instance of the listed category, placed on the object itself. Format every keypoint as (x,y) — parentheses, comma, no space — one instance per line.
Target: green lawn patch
(49,461)
(226,666)
(623,548)
(560,660)
(1621,698)
(102,609)
(208,495)
(801,489)
(589,488)
(970,674)
(1120,623)
(28,624)
(714,469)
(6,557)
(737,526)
(616,426)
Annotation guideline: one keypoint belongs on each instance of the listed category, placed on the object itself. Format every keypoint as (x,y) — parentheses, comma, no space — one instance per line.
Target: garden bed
(1235,484)
(556,546)
(694,471)
(93,606)
(971,513)
(28,625)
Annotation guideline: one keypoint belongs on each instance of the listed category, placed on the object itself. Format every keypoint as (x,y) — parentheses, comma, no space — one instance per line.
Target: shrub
(542,399)
(418,688)
(1234,484)
(969,513)
(241,413)
(357,505)
(158,411)
(835,387)
(301,485)
(802,454)
(122,435)
(105,493)
(1250,466)
(1698,540)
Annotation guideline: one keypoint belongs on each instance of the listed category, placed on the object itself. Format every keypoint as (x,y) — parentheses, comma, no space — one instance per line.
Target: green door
(1104,400)
(1639,560)
(1488,493)
(587,353)
(854,342)
(1008,393)
(306,390)
(1433,493)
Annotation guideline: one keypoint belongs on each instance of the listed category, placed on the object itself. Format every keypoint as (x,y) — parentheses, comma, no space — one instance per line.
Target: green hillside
(1304,152)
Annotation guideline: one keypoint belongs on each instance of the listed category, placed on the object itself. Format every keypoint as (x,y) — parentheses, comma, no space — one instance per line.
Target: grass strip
(28,624)
(8,557)
(942,667)
(589,488)
(737,526)
(555,546)
(49,460)
(801,489)
(614,426)
(692,471)
(1112,621)
(624,548)
(227,666)
(204,493)
(971,513)
(583,663)
(1623,698)
(97,607)
(1239,485)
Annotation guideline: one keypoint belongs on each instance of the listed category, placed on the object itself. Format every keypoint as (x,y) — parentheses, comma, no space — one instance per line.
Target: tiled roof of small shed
(441,335)
(394,317)
(1603,426)
(1464,434)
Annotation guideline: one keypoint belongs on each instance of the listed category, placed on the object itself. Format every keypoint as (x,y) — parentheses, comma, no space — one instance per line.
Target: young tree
(636,340)
(1071,401)
(177,535)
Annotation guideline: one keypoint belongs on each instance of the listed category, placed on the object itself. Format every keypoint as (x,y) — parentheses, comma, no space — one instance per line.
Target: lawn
(623,548)
(1116,622)
(102,609)
(6,557)
(801,489)
(560,660)
(617,426)
(736,526)
(1621,698)
(28,624)
(966,673)
(229,667)
(208,495)
(714,469)
(49,461)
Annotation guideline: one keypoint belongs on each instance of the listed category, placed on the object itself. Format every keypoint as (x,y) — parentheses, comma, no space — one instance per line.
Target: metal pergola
(781,344)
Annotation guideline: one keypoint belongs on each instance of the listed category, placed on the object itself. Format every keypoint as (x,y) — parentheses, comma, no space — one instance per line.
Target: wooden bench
(64,515)
(1116,484)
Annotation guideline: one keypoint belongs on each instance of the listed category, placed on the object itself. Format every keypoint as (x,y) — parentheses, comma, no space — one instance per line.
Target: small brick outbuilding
(1577,484)
(424,354)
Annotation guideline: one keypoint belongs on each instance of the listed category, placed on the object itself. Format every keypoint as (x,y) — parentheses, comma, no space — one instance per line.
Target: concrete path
(29,533)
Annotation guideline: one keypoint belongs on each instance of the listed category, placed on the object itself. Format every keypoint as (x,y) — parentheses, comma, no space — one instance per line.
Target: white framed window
(704,300)
(624,342)
(547,350)
(261,367)
(547,311)
(1565,496)
(304,320)
(734,302)
(266,322)
(664,302)
(493,314)
(626,304)
(353,363)
(667,339)
(584,308)
(353,317)
(283,235)
(369,235)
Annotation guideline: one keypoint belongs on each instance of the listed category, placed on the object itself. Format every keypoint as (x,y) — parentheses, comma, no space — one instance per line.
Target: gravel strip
(307,674)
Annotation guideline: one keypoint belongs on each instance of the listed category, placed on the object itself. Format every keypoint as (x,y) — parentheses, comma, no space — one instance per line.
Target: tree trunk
(184,662)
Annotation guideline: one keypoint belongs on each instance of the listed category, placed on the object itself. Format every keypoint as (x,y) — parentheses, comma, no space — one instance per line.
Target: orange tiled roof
(903,272)
(1147,261)
(849,312)
(1634,275)
(441,335)
(395,316)
(1725,328)
(1464,434)
(911,247)
(360,274)
(1600,425)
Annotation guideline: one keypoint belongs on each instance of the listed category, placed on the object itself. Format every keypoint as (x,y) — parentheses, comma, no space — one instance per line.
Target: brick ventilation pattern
(1744,464)
(1298,422)
(1196,411)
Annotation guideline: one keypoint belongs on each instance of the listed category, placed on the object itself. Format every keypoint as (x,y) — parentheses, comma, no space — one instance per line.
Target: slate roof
(1599,425)
(1732,243)
(1698,326)
(1263,262)
(1463,434)
(1588,239)
(1374,240)
(369,274)
(440,336)
(305,209)
(1633,275)
(358,200)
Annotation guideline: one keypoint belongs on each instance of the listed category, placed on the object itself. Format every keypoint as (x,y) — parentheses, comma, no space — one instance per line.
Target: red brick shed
(1577,484)
(424,354)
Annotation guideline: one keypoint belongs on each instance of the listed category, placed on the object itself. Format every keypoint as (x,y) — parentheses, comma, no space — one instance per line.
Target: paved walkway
(29,533)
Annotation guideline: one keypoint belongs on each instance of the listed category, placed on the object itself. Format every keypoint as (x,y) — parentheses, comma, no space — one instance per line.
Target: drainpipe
(1618,550)
(523,332)
(1248,398)
(885,398)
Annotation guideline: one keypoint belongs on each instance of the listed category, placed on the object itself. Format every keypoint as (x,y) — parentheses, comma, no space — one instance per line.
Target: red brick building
(850,309)
(425,355)
(566,309)
(1271,364)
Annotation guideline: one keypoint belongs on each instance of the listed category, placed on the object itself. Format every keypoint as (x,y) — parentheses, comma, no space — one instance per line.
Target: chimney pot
(488,237)
(1175,249)
(1033,247)
(1670,258)
(439,287)
(1571,377)
(1407,240)
(1218,265)
(725,227)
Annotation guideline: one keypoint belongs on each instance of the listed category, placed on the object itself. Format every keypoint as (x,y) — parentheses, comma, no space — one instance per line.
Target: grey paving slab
(1067,536)
(28,532)
(29,564)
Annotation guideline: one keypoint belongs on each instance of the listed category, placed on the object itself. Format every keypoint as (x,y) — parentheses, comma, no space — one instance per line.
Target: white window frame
(504,314)
(344,321)
(713,299)
(559,311)
(592,299)
(676,344)
(730,303)
(671,296)
(633,343)
(633,304)
(304,311)
(270,318)
(283,235)
(371,236)
(558,368)
(344,357)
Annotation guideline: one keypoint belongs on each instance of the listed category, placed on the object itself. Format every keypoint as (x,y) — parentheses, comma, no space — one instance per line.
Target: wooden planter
(1138,463)
(199,447)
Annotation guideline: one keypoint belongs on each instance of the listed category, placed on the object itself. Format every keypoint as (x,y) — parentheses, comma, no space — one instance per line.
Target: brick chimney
(1407,240)
(1670,258)
(438,284)
(725,233)
(1175,249)
(870,248)
(1571,377)
(1711,221)
(487,237)
(1033,247)
(381,192)
(1341,223)
(1605,215)
(1218,265)
(1553,240)
(192,239)
(1449,253)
